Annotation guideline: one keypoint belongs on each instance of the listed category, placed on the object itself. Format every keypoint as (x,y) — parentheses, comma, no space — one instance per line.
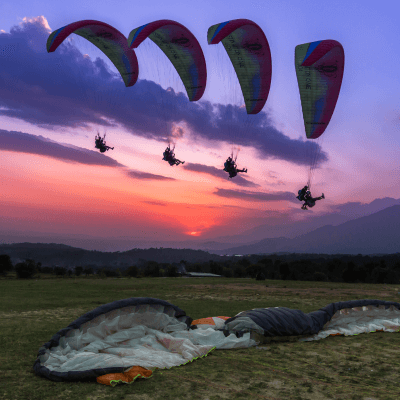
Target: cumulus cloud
(147,176)
(20,142)
(67,89)
(218,173)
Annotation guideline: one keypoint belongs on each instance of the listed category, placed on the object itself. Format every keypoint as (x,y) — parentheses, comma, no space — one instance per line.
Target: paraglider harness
(229,165)
(231,168)
(101,144)
(169,156)
(304,194)
(309,201)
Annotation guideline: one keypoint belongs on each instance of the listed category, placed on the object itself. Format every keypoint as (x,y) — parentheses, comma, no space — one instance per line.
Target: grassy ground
(362,367)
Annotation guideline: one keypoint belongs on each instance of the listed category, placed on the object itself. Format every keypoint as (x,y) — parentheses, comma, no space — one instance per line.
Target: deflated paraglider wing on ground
(149,333)
(146,332)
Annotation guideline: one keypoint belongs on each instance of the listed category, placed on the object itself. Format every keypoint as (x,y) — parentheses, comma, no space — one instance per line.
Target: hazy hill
(376,233)
(337,215)
(342,213)
(51,254)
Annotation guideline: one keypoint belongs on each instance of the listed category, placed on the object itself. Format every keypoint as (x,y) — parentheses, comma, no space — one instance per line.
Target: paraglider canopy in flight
(108,39)
(319,68)
(182,49)
(248,49)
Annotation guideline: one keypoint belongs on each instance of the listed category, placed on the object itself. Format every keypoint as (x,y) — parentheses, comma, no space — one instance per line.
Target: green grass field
(362,367)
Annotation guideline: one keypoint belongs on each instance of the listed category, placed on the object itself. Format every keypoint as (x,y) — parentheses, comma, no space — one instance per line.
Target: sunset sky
(54,182)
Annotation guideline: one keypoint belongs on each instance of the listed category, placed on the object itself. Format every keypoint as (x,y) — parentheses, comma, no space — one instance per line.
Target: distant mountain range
(52,254)
(378,233)
(341,214)
(352,228)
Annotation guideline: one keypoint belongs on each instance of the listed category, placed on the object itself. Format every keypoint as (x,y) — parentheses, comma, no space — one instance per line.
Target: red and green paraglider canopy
(182,49)
(250,55)
(249,52)
(105,37)
(319,68)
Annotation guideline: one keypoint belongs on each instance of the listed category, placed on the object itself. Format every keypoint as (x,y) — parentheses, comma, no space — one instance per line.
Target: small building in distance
(182,272)
(200,275)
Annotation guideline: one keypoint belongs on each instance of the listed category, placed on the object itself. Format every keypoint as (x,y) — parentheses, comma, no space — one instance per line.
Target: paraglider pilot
(309,201)
(101,144)
(169,156)
(230,167)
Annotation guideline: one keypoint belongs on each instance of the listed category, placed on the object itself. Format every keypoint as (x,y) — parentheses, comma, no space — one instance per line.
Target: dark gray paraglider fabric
(282,321)
(152,333)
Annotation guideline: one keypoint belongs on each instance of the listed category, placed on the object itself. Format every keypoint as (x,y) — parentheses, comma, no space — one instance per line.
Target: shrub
(5,264)
(26,269)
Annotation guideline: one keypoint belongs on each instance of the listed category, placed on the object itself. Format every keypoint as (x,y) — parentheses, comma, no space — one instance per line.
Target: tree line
(349,269)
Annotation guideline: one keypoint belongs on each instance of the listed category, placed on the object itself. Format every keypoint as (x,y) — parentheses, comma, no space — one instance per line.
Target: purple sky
(51,106)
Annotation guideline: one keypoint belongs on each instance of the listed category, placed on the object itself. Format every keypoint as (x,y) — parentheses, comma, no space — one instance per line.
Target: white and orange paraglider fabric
(128,339)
